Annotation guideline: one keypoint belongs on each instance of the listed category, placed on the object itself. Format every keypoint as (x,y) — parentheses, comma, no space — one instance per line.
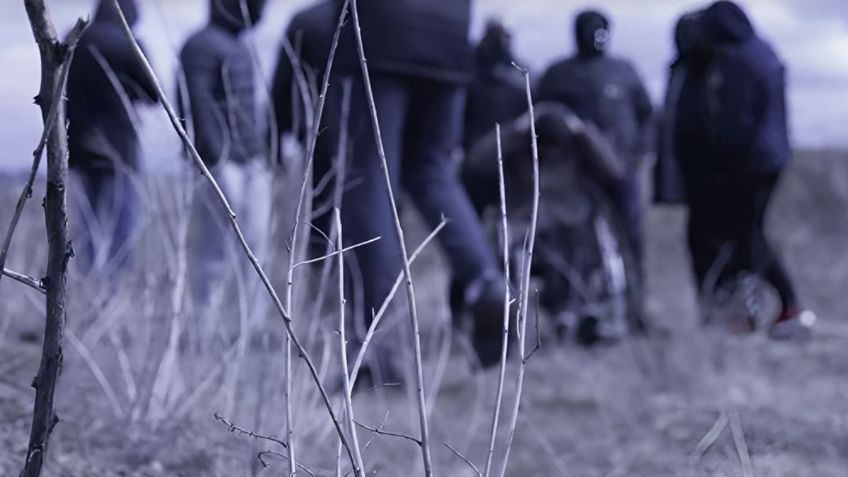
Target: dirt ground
(639,408)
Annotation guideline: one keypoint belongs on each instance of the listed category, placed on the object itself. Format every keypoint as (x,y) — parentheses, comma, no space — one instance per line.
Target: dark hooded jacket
(104,83)
(669,181)
(749,117)
(601,89)
(420,38)
(219,79)
(496,93)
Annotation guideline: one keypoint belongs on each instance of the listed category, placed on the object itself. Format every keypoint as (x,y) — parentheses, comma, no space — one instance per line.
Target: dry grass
(637,409)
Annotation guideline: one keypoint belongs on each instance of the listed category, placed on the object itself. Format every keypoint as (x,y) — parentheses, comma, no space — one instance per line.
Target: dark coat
(104,82)
(496,95)
(607,92)
(219,79)
(749,88)
(421,38)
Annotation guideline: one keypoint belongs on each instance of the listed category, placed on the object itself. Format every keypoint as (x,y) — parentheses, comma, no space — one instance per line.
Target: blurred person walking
(741,104)
(221,85)
(105,83)
(419,63)
(607,92)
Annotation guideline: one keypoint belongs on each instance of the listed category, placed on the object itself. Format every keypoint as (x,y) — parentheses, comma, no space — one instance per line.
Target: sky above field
(811,36)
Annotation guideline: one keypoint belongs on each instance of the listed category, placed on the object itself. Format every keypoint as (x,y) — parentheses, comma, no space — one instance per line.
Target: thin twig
(304,190)
(378,317)
(527,259)
(195,157)
(379,431)
(741,443)
(374,434)
(464,459)
(244,432)
(536,314)
(31,282)
(710,438)
(337,253)
(410,288)
(506,307)
(265,465)
(358,467)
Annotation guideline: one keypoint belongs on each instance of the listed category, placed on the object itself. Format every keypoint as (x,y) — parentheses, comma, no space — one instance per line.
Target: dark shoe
(793,324)
(487,314)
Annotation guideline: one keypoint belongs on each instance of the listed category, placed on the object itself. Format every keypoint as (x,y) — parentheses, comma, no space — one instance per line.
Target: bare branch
(507,302)
(336,253)
(358,467)
(741,443)
(710,438)
(527,260)
(244,432)
(380,432)
(464,459)
(27,280)
(56,58)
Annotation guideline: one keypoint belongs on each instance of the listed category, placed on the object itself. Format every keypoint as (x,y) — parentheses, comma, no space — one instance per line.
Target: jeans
(421,125)
(108,205)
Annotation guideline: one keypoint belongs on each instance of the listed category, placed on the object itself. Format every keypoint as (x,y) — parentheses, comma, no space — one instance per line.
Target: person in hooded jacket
(218,95)
(609,93)
(749,150)
(418,55)
(105,83)
(496,95)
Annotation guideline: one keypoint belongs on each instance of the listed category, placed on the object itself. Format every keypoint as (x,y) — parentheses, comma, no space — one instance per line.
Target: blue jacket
(748,92)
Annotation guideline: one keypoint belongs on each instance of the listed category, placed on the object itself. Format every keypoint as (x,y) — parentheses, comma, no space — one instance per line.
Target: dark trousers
(421,125)
(729,210)
(108,203)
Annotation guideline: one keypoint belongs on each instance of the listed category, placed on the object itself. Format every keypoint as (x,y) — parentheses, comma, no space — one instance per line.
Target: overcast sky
(811,36)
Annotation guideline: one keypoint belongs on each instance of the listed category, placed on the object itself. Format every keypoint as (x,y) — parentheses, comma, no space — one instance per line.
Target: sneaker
(487,313)
(793,323)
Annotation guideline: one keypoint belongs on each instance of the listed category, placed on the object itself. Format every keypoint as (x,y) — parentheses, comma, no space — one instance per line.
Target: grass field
(146,370)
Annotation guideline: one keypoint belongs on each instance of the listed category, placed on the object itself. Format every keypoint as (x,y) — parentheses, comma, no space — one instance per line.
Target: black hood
(688,34)
(496,46)
(228,13)
(106,13)
(592,33)
(725,22)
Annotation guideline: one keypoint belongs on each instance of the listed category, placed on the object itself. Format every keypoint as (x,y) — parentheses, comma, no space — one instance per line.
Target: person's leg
(762,258)
(366,210)
(123,218)
(431,135)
